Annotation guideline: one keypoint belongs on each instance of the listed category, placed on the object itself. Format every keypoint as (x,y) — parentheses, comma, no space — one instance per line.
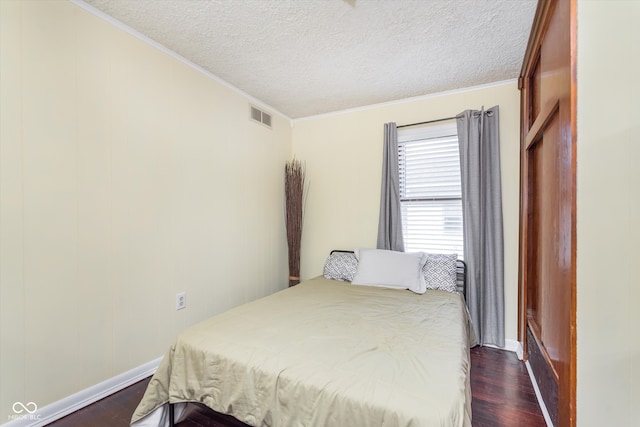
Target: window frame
(421,134)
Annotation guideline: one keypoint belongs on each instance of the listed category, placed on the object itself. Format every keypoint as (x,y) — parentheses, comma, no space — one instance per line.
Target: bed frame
(461,282)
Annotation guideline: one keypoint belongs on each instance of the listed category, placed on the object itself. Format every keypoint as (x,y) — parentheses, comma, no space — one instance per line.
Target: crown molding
(407,100)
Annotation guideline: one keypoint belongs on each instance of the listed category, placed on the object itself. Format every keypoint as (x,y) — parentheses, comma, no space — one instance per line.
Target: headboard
(461,276)
(461,273)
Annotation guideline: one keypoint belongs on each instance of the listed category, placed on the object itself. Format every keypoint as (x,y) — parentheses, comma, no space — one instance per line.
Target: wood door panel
(535,92)
(547,205)
(545,181)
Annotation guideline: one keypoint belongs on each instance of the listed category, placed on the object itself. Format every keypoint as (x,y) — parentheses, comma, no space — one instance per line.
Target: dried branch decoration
(294,180)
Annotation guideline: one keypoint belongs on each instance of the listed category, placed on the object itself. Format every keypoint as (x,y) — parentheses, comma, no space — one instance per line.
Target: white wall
(608,211)
(343,155)
(126,177)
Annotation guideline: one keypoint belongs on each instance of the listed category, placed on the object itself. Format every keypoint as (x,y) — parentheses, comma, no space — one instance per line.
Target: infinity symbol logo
(20,407)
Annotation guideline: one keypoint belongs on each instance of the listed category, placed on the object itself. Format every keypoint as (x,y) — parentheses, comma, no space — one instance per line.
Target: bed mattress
(324,353)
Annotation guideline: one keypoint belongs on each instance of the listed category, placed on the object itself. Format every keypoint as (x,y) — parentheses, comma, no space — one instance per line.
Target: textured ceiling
(308,57)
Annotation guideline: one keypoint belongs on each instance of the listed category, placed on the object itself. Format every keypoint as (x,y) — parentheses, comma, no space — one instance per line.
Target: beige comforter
(324,353)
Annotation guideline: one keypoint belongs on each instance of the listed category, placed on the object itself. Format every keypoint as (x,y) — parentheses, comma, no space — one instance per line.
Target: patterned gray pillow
(341,266)
(440,272)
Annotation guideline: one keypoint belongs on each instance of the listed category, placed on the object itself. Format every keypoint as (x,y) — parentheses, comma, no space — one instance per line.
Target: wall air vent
(260,116)
(266,119)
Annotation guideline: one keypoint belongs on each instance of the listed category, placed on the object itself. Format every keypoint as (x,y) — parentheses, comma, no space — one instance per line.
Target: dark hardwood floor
(502,397)
(502,394)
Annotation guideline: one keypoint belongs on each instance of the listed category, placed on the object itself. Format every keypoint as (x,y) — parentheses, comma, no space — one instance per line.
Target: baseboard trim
(520,351)
(510,345)
(56,410)
(543,407)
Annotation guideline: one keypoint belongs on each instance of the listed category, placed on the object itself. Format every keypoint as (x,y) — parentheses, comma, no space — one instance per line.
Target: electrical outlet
(181,300)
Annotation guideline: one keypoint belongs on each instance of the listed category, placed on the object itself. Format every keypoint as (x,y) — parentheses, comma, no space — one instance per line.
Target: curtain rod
(427,122)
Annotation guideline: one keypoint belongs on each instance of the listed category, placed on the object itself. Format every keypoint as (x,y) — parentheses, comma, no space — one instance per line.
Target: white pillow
(390,269)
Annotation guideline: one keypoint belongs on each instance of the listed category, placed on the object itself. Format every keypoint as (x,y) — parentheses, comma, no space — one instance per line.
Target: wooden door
(548,207)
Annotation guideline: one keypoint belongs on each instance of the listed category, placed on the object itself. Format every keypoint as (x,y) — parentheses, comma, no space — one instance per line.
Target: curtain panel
(478,135)
(390,220)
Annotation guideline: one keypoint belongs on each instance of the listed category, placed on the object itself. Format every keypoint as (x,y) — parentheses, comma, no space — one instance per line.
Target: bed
(324,353)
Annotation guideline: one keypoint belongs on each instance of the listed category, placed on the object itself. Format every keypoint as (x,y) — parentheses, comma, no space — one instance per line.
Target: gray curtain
(390,221)
(478,134)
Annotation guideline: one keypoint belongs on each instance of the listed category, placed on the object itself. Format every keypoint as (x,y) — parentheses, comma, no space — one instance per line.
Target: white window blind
(430,190)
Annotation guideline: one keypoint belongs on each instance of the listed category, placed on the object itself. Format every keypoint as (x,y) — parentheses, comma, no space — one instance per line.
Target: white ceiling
(308,57)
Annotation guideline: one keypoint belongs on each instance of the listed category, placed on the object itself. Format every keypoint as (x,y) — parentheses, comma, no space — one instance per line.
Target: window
(430,189)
